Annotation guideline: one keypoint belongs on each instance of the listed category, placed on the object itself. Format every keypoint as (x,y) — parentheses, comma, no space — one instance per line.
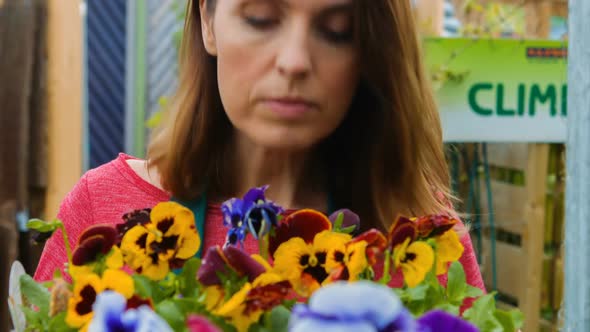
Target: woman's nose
(294,56)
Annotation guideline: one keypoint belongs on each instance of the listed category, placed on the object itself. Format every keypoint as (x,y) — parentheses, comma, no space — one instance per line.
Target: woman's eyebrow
(336,9)
(326,10)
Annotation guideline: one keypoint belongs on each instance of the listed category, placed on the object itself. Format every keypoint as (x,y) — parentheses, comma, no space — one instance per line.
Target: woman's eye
(260,22)
(260,14)
(337,37)
(337,28)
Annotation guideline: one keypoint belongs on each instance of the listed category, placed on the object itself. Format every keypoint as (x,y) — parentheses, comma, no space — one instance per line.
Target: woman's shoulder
(115,178)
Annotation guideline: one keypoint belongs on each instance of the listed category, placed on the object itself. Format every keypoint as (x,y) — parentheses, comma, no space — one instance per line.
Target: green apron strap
(331,204)
(199,209)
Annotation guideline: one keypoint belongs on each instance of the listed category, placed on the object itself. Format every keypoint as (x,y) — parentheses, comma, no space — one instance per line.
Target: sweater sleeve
(76,214)
(471,267)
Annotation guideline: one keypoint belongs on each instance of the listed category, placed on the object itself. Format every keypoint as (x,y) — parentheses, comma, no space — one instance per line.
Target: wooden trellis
(527,275)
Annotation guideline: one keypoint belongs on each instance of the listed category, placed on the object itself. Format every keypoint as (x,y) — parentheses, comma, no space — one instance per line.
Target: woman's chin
(285,145)
(285,140)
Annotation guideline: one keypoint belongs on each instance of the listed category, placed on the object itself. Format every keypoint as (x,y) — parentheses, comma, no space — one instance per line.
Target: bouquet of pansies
(311,273)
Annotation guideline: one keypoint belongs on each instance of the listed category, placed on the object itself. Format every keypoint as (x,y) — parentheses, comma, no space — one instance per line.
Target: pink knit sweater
(104,194)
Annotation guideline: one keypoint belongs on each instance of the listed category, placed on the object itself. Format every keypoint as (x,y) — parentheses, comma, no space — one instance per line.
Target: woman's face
(287,69)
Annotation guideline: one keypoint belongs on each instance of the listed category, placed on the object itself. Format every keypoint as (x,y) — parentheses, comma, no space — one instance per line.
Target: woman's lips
(289,108)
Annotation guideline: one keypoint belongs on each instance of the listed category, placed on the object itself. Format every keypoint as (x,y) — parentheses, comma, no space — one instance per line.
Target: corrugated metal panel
(162,56)
(106,79)
(451,24)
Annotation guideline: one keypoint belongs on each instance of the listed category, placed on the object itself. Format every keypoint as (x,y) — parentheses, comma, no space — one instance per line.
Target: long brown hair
(386,158)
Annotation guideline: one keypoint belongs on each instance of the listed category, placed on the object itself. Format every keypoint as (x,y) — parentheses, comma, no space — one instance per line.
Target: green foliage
(36,309)
(42,226)
(187,281)
(499,20)
(171,312)
(484,314)
(277,320)
(156,118)
(338,225)
(58,323)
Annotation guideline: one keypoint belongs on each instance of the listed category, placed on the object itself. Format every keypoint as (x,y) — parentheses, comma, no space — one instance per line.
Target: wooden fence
(40,121)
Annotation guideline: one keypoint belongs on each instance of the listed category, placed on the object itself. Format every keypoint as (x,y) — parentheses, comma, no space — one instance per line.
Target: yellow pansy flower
(170,236)
(303,264)
(415,259)
(448,249)
(80,304)
(348,261)
(246,306)
(87,287)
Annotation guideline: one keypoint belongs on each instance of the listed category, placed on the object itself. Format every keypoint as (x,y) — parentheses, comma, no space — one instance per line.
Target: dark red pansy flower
(267,297)
(132,219)
(94,241)
(401,229)
(218,260)
(434,225)
(376,244)
(304,223)
(135,302)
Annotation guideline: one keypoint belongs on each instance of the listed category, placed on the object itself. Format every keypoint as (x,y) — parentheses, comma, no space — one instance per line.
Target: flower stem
(386,278)
(263,246)
(66,241)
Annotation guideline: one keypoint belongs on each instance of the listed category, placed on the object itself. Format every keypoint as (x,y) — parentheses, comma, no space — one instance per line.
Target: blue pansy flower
(253,213)
(110,315)
(261,213)
(366,307)
(233,218)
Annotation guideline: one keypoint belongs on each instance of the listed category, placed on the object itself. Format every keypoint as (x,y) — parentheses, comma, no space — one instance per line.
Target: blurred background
(81,81)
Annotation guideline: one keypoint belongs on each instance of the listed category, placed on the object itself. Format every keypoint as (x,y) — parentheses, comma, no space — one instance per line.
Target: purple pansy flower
(441,321)
(253,213)
(367,307)
(110,315)
(349,219)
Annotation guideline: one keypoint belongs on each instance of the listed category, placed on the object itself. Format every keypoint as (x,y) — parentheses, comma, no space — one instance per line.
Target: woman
(326,101)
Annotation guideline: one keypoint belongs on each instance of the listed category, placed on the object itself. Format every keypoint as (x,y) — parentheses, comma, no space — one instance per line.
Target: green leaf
(457,284)
(481,314)
(35,294)
(401,293)
(188,278)
(491,325)
(418,293)
(452,309)
(279,319)
(473,291)
(143,286)
(155,119)
(58,323)
(418,299)
(348,230)
(511,320)
(35,224)
(43,226)
(190,305)
(33,319)
(338,222)
(168,310)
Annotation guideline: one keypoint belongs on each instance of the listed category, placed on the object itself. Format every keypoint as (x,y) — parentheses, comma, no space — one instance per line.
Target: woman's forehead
(314,5)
